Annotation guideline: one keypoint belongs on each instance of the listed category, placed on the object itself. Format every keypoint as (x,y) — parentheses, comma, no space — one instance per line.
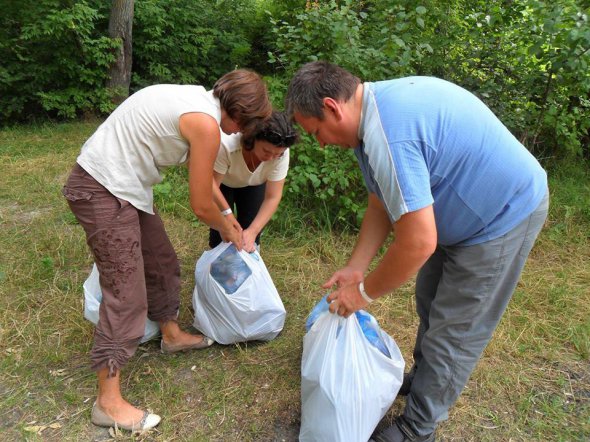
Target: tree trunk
(120,27)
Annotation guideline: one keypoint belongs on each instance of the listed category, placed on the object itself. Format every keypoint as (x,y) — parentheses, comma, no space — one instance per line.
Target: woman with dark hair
(250,173)
(110,191)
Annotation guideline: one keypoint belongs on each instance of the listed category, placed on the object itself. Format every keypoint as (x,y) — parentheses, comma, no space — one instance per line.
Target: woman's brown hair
(244,97)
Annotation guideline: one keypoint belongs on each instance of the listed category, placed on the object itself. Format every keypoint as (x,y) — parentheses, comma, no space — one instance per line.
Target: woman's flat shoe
(147,422)
(173,348)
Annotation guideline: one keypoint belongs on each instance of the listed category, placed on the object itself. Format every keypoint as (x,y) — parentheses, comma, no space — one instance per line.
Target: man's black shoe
(404,390)
(400,431)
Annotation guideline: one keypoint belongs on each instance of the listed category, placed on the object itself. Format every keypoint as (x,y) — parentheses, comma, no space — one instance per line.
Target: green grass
(533,382)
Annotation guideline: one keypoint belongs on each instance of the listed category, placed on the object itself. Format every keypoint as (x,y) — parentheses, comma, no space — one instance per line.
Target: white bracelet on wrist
(226,211)
(363,293)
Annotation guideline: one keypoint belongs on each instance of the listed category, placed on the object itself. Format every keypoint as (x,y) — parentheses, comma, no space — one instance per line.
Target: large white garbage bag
(234,298)
(93,298)
(351,371)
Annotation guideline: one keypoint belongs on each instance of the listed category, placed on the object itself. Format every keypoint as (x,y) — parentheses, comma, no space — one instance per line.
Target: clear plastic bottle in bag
(230,270)
(368,324)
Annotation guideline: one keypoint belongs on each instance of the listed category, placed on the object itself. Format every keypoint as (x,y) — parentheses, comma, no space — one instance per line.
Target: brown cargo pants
(139,269)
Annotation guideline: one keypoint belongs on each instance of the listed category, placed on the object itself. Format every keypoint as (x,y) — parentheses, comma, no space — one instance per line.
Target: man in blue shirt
(465,199)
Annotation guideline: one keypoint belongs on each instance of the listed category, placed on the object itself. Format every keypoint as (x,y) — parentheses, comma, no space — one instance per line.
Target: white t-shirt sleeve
(223,160)
(280,168)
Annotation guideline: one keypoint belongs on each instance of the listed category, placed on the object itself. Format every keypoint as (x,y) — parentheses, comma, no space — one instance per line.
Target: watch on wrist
(364,293)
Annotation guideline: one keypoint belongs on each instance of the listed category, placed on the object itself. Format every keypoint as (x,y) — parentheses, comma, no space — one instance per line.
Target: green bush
(528,60)
(190,41)
(55,59)
(326,182)
(56,53)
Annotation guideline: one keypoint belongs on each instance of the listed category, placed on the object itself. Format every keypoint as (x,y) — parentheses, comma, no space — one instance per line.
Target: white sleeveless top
(141,137)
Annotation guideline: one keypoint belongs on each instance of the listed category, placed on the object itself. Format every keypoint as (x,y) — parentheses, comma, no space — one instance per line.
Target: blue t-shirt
(427,141)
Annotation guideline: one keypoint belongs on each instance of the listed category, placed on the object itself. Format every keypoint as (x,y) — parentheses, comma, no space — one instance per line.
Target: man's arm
(415,241)
(375,228)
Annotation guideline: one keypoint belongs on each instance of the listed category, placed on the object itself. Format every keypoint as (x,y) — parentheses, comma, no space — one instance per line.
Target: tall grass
(532,383)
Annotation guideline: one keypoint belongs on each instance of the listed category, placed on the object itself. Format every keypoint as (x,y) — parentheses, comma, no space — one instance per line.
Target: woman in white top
(110,192)
(250,174)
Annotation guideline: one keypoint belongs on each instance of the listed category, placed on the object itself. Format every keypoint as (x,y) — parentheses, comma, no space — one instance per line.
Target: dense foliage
(54,60)
(56,53)
(189,41)
(527,59)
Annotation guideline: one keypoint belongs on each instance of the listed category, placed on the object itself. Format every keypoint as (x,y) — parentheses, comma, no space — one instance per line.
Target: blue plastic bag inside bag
(230,270)
(368,324)
(372,331)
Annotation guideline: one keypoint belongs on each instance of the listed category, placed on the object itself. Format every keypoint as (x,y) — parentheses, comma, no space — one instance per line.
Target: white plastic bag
(93,298)
(347,382)
(234,298)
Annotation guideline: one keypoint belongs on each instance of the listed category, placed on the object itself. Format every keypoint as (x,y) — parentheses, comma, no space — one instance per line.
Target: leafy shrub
(54,59)
(326,182)
(56,53)
(324,31)
(559,80)
(189,41)
(527,60)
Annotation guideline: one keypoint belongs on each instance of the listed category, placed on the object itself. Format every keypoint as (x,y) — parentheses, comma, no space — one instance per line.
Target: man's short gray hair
(315,81)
